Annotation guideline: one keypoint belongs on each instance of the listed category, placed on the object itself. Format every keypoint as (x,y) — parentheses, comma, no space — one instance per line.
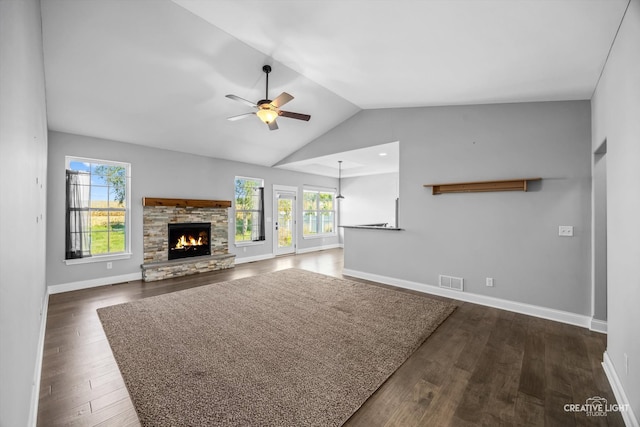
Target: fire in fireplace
(189,239)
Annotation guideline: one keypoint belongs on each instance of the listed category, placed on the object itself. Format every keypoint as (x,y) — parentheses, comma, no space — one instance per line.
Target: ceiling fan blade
(291,115)
(273,125)
(240,116)
(242,100)
(282,99)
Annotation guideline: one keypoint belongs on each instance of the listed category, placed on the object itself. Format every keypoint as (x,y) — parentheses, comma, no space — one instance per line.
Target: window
(249,209)
(97,208)
(318,213)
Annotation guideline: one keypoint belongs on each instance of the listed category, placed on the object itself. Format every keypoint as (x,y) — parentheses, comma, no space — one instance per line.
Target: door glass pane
(285,223)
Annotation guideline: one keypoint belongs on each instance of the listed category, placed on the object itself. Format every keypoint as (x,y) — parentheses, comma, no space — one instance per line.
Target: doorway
(284,205)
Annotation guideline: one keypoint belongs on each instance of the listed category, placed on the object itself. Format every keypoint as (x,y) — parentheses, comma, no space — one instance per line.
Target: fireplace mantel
(186,203)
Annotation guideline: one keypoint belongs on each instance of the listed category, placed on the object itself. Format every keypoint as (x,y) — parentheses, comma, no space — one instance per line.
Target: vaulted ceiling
(156,72)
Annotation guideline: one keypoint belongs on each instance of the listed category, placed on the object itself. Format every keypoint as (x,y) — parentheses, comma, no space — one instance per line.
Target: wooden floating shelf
(519,184)
(186,203)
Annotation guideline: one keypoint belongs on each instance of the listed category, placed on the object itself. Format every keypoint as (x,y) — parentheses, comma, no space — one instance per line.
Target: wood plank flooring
(482,366)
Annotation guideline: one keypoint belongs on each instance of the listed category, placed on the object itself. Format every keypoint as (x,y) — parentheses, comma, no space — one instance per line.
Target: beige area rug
(289,348)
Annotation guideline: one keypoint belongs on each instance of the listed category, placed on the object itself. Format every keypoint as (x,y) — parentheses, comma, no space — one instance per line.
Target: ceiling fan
(267,110)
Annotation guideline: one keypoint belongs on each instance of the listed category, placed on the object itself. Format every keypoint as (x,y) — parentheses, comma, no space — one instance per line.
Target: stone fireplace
(184,236)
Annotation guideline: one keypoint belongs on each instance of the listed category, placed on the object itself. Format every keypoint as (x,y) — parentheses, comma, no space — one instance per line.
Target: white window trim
(98,258)
(127,213)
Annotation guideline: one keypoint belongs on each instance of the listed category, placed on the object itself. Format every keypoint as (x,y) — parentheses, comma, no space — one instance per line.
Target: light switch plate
(565,230)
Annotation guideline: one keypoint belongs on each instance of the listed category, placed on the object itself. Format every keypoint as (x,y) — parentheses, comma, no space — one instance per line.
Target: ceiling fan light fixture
(266,114)
(267,110)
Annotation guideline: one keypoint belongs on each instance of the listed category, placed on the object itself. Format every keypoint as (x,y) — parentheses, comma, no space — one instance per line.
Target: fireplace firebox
(189,239)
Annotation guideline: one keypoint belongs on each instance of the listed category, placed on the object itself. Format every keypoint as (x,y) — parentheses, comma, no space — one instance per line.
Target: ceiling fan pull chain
(267,70)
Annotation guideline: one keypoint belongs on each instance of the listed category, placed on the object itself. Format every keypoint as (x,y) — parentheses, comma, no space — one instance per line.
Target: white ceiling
(156,72)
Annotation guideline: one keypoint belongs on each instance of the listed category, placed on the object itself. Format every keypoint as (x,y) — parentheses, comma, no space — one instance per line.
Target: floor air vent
(450,282)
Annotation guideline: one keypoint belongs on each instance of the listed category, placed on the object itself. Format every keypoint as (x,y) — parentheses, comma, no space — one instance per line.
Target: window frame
(236,210)
(318,212)
(127,253)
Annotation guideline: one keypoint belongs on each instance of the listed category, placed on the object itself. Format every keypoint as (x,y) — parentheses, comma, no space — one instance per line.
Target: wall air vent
(450,282)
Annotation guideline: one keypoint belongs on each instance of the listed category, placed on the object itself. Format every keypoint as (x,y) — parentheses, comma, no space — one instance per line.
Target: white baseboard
(318,248)
(92,283)
(37,374)
(598,326)
(517,307)
(247,259)
(627,415)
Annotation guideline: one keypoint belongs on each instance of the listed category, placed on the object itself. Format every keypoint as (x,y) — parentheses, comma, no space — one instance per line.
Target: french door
(284,202)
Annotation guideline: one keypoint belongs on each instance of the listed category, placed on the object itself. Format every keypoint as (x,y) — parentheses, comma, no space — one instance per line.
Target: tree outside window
(104,186)
(248,209)
(318,213)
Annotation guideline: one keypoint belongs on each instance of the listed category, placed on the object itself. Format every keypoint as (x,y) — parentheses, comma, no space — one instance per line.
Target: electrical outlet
(490,281)
(109,265)
(565,230)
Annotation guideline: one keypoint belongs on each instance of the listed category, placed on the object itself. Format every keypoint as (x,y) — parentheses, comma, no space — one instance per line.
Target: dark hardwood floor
(482,366)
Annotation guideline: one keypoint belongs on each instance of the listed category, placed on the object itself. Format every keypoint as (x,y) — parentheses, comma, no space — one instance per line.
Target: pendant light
(339,196)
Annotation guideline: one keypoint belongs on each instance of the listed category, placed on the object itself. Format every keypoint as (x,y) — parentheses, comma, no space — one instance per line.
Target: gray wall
(23,150)
(615,113)
(600,236)
(369,199)
(509,236)
(159,173)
